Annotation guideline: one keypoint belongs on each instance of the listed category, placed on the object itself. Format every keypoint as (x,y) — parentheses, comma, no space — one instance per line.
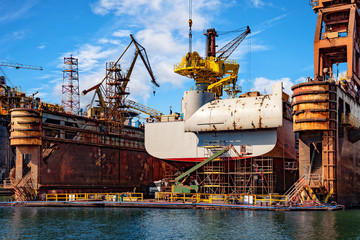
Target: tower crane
(17,66)
(115,104)
(11,97)
(213,72)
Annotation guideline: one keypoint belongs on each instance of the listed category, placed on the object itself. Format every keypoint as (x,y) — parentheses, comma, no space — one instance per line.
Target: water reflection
(114,223)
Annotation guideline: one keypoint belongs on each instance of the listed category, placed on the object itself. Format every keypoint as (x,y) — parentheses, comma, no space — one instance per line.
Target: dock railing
(251,199)
(109,197)
(270,199)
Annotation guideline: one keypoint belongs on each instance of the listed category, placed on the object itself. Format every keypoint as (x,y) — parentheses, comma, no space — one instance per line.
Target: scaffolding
(254,175)
(212,176)
(234,173)
(70,88)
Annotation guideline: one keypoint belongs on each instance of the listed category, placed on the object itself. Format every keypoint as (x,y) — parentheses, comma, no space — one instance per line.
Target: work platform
(172,201)
(167,205)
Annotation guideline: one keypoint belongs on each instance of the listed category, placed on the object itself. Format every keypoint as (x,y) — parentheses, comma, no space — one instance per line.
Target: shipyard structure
(59,152)
(253,132)
(326,109)
(54,150)
(309,156)
(304,151)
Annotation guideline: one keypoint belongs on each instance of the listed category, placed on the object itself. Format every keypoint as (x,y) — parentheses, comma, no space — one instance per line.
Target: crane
(229,48)
(153,113)
(213,72)
(17,66)
(113,107)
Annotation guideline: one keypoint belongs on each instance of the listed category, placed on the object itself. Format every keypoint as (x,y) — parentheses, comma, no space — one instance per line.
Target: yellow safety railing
(254,199)
(271,198)
(197,197)
(109,197)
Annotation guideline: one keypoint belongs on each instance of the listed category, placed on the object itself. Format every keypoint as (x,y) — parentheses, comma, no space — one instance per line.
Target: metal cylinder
(311,106)
(193,100)
(25,127)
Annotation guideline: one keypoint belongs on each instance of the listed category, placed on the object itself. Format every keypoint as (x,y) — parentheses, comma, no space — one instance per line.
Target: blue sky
(42,32)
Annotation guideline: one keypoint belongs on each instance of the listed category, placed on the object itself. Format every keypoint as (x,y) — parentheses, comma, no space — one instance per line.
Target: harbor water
(122,223)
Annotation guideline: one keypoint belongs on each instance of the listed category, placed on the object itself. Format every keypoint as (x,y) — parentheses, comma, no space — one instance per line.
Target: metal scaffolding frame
(70,88)
(231,174)
(254,175)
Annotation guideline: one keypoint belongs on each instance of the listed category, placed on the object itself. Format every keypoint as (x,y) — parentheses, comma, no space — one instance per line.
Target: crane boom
(17,66)
(107,74)
(139,49)
(144,109)
(229,48)
(145,59)
(116,100)
(90,89)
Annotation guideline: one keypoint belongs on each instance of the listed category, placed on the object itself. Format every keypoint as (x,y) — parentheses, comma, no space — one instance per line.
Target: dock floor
(167,205)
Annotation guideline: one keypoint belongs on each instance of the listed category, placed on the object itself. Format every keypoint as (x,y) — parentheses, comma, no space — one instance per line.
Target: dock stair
(309,187)
(296,189)
(23,190)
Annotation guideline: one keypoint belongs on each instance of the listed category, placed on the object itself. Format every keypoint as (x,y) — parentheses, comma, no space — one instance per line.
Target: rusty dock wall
(65,153)
(325,151)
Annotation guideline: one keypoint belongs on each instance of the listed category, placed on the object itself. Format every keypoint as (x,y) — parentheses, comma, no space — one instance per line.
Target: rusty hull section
(66,153)
(89,167)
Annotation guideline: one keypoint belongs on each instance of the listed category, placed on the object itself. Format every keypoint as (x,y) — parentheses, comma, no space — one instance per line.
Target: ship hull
(262,158)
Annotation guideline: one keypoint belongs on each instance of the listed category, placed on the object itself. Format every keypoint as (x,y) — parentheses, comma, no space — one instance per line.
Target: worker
(326,74)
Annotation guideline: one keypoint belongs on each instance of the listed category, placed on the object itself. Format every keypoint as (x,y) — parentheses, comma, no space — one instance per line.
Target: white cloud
(43,46)
(19,34)
(300,80)
(257,3)
(122,33)
(264,85)
(90,56)
(161,27)
(41,92)
(17,10)
(111,41)
(267,24)
(160,42)
(161,14)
